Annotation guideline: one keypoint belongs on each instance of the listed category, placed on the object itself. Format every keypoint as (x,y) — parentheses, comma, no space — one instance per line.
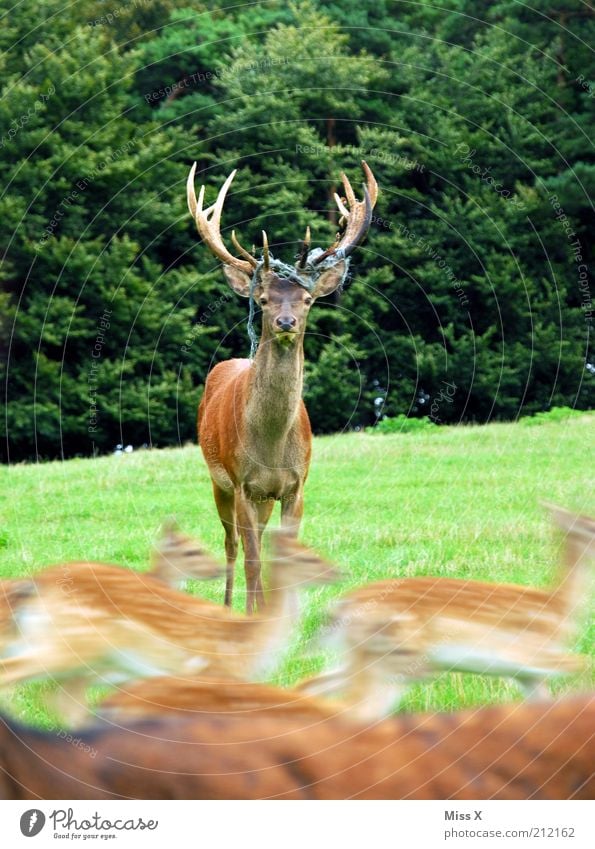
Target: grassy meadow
(459,502)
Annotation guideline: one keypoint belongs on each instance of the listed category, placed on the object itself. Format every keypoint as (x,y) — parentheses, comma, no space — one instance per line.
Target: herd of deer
(190,716)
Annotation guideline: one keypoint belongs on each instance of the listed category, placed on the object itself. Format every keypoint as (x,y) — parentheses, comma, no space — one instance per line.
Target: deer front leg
(534,689)
(226,508)
(248,526)
(370,694)
(69,701)
(325,683)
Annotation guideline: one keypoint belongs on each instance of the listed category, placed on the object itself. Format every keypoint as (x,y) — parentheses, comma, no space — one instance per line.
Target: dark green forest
(471,297)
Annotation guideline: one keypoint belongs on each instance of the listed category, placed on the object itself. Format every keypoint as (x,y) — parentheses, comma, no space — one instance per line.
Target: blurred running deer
(175,558)
(396,632)
(253,426)
(201,697)
(74,619)
(113,625)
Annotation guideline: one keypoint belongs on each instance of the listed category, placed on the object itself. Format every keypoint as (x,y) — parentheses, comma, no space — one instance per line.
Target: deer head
(284,292)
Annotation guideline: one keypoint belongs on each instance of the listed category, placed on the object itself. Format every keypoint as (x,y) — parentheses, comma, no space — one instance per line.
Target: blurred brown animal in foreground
(529,751)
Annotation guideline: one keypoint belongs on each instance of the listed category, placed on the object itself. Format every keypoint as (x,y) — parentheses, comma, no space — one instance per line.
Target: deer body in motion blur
(253,426)
(199,697)
(395,632)
(112,625)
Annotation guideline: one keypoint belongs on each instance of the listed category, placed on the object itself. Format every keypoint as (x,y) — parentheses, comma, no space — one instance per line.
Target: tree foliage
(476,118)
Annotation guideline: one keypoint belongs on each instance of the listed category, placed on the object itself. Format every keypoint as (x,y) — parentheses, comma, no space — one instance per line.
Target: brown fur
(528,751)
(116,625)
(399,631)
(200,697)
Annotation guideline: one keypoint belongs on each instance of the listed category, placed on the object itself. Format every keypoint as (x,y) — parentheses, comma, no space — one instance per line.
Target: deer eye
(263,301)
(308,300)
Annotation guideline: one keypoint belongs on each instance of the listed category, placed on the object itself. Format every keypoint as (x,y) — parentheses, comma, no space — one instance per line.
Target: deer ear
(238,280)
(330,279)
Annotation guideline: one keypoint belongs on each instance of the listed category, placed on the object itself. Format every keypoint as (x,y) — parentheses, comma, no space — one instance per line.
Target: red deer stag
(252,423)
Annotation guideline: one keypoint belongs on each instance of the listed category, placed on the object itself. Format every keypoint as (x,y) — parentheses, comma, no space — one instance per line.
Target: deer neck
(276,388)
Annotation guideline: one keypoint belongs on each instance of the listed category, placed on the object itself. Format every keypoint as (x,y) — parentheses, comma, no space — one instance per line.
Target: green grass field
(460,502)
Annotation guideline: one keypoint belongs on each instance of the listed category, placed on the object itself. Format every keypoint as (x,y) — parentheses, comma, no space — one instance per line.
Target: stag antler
(357,218)
(208,224)
(304,250)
